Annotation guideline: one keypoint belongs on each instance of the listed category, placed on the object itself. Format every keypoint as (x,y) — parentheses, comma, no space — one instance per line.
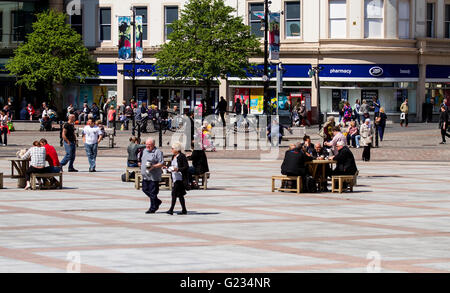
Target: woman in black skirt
(179,169)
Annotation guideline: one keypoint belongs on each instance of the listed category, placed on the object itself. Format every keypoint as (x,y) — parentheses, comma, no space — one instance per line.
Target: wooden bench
(166,180)
(128,171)
(204,177)
(1,180)
(34,176)
(285,178)
(351,180)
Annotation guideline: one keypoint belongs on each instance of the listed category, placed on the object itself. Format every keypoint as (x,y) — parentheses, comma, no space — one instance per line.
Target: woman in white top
(179,169)
(366,132)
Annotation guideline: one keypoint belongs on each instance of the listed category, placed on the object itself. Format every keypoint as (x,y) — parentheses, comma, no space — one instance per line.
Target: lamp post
(266,78)
(314,71)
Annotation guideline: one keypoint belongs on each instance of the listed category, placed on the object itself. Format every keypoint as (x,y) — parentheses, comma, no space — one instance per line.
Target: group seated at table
(38,154)
(294,163)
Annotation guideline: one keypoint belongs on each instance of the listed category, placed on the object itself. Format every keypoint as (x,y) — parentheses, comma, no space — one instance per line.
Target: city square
(207,138)
(397,216)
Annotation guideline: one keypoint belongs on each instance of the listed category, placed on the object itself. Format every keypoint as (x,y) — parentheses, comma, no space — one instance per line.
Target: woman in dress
(381,123)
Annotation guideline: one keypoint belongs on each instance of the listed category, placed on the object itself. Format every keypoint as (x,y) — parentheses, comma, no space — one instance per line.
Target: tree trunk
(208,99)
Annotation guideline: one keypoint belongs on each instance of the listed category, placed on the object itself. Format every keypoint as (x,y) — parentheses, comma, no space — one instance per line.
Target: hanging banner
(124,37)
(139,38)
(256,101)
(274,36)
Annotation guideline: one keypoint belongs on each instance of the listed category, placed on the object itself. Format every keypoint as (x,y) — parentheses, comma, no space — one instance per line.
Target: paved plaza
(396,220)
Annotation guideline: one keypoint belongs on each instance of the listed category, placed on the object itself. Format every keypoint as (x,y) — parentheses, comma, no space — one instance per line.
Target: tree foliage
(52,54)
(207,42)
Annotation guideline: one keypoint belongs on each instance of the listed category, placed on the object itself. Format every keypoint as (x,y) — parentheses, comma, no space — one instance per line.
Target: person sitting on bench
(199,163)
(52,158)
(37,164)
(294,165)
(346,164)
(133,149)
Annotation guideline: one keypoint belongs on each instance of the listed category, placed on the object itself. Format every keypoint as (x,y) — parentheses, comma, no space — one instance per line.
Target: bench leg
(332,184)
(33,182)
(299,186)
(205,181)
(60,181)
(127,176)
(341,183)
(273,185)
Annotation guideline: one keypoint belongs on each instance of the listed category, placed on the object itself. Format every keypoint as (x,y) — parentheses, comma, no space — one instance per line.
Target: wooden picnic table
(20,166)
(317,169)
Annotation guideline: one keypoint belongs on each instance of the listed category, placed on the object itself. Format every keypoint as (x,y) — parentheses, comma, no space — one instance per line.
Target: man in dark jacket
(443,124)
(222,108)
(294,165)
(199,163)
(346,164)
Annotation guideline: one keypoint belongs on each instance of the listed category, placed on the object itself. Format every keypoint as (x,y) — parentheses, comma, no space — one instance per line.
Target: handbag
(402,116)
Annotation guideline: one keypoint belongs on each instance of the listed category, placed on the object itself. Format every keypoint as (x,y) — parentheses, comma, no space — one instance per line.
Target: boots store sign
(369,71)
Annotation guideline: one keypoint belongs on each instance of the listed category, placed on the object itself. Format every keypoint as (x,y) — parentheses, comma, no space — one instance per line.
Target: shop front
(437,88)
(391,84)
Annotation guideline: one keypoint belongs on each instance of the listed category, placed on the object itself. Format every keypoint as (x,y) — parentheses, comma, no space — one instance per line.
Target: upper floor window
(430,20)
(171,14)
(1,26)
(447,21)
(143,11)
(255,11)
(403,19)
(338,19)
(76,22)
(292,19)
(105,24)
(373,18)
(18,26)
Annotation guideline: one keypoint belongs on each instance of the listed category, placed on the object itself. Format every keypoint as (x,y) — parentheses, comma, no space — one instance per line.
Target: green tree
(53,54)
(207,42)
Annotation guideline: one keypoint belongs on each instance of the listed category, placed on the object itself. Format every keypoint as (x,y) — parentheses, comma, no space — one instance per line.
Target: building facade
(389,49)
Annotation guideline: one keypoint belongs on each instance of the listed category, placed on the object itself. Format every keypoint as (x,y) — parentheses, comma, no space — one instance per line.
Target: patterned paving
(398,217)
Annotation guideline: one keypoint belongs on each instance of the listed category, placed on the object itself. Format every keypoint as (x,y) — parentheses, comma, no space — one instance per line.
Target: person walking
(222,108)
(443,124)
(376,107)
(237,107)
(357,111)
(302,114)
(404,108)
(366,132)
(365,109)
(179,168)
(380,123)
(92,136)
(4,129)
(69,141)
(152,161)
(341,109)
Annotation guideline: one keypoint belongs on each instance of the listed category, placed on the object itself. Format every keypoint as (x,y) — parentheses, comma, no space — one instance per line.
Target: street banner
(139,38)
(256,101)
(124,37)
(274,36)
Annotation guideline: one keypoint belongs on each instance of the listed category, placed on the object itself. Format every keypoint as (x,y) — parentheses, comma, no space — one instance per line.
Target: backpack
(310,184)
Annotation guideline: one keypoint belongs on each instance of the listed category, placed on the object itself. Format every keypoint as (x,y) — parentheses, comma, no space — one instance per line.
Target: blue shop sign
(370,71)
(140,69)
(438,71)
(107,69)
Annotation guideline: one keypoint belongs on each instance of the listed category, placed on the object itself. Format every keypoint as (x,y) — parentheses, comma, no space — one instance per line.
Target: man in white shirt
(92,135)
